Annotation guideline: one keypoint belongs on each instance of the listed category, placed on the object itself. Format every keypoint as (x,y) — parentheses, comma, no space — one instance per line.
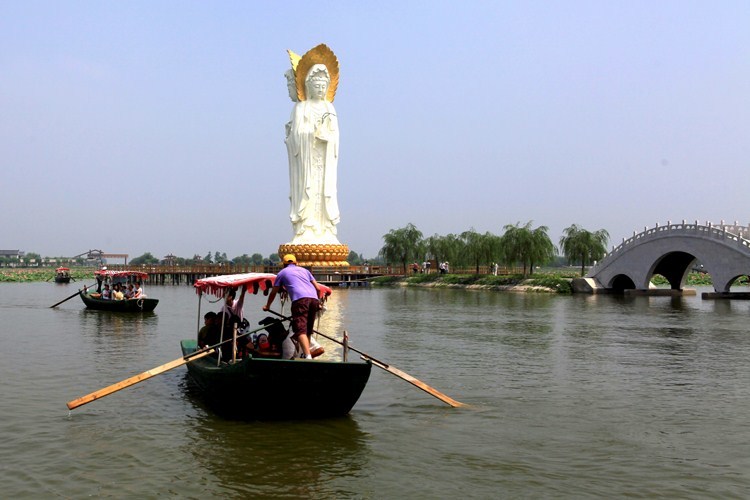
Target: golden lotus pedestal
(317,255)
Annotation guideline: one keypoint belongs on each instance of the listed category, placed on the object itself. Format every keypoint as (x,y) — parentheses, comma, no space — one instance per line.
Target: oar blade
(416,383)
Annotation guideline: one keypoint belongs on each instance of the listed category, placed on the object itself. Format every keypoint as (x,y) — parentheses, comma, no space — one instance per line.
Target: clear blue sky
(158,125)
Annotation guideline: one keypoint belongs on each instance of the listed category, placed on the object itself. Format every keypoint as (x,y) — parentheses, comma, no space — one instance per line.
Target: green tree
(479,247)
(354,259)
(516,239)
(580,245)
(402,245)
(256,259)
(145,259)
(443,248)
(207,259)
(542,249)
(243,260)
(451,247)
(527,246)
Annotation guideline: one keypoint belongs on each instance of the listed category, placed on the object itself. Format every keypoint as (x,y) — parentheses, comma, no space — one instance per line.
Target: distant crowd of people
(443,267)
(122,291)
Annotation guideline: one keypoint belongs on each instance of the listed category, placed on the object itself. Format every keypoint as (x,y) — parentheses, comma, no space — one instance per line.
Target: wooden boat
(93,300)
(255,386)
(62,275)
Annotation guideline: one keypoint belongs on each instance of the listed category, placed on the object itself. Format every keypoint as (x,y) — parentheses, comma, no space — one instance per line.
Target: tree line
(148,258)
(519,246)
(255,259)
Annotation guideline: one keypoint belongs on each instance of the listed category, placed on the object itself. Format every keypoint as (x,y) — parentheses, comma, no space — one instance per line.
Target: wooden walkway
(351,276)
(187,275)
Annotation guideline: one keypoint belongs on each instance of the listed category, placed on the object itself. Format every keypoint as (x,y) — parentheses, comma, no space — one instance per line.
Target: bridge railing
(730,234)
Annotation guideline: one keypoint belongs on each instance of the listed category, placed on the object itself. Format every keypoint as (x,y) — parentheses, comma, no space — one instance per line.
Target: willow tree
(527,246)
(479,247)
(542,249)
(442,248)
(452,248)
(578,244)
(402,245)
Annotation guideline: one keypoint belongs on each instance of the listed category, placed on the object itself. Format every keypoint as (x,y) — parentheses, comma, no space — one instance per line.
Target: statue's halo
(317,55)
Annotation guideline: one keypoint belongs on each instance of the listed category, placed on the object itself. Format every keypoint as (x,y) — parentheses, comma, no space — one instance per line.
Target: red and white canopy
(217,285)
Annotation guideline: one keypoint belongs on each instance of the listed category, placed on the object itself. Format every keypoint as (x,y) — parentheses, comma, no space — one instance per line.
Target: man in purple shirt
(304,291)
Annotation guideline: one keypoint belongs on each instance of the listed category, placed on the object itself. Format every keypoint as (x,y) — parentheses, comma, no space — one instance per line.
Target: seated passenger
(209,334)
(138,293)
(129,291)
(117,294)
(227,321)
(106,293)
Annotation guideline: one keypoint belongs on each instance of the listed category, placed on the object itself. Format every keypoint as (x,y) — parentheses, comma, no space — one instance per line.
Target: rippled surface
(570,397)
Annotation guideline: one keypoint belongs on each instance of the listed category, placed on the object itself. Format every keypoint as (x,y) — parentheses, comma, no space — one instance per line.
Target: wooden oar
(65,300)
(138,378)
(392,370)
(151,373)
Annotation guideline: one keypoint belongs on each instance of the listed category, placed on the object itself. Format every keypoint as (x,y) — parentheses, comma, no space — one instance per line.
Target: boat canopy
(117,274)
(62,269)
(216,285)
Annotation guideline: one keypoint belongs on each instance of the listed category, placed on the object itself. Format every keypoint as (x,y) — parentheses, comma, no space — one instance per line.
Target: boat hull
(278,388)
(131,305)
(62,279)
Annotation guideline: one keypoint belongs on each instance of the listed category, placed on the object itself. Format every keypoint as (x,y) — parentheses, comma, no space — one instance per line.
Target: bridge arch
(671,251)
(621,282)
(674,266)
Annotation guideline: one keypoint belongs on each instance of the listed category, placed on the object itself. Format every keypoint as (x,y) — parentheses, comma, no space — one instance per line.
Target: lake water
(570,397)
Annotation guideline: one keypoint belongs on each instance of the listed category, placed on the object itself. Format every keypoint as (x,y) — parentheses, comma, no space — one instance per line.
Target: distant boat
(62,275)
(257,386)
(94,300)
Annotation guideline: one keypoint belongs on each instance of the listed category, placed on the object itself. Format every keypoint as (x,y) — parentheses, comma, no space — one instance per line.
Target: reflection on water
(310,459)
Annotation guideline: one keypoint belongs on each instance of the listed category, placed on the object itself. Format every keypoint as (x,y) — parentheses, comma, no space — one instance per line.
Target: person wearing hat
(305,293)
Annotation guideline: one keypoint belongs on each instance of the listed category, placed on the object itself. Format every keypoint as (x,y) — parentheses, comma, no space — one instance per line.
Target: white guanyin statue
(312,142)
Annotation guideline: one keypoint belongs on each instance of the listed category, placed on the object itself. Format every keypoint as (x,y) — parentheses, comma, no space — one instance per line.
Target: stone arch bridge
(673,251)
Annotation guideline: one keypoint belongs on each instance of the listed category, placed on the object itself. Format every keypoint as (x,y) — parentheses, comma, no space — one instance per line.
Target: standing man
(304,291)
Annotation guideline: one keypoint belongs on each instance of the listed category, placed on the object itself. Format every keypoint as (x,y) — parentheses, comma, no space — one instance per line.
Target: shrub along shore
(542,283)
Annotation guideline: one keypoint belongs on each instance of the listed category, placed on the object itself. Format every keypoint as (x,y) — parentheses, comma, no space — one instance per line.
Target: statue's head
(316,82)
(291,85)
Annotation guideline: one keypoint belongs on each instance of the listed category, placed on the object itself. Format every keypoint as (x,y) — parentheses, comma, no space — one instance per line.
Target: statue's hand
(321,132)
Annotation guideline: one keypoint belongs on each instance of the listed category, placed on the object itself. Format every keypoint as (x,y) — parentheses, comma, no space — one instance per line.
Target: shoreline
(514,284)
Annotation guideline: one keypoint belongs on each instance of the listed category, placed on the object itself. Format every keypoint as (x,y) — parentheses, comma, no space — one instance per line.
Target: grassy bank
(544,283)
